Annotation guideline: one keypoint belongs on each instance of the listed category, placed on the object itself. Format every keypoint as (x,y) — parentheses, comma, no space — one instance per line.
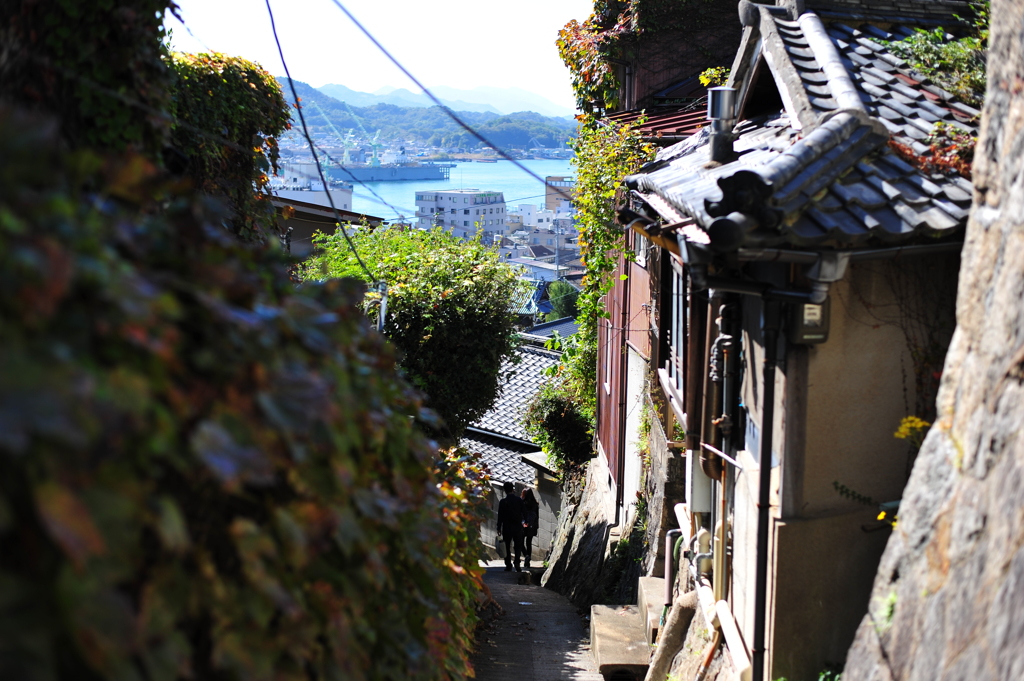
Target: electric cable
(448,112)
(312,148)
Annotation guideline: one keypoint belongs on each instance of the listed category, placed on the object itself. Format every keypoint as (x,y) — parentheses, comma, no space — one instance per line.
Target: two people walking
(517,525)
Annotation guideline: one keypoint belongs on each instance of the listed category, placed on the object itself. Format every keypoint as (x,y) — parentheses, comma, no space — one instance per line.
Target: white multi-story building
(537,216)
(462,211)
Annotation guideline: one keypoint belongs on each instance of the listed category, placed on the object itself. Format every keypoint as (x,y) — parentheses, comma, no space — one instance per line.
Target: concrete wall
(837,406)
(636,398)
(859,385)
(816,619)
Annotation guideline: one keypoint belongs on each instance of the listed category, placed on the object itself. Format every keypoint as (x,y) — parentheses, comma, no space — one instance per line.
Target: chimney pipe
(722,114)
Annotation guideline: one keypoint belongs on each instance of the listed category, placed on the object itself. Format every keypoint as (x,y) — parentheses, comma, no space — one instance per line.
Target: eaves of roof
(665,126)
(315,213)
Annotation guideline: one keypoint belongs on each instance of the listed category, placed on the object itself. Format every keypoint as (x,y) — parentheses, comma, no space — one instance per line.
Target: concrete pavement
(539,636)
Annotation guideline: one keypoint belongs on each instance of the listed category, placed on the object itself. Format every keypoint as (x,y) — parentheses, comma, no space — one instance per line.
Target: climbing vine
(613,34)
(959,64)
(205,471)
(99,69)
(716,75)
(605,153)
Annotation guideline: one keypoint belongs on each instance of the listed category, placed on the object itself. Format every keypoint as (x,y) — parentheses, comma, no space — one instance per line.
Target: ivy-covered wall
(626,51)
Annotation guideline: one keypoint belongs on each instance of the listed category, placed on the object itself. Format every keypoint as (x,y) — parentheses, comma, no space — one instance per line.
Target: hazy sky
(459,43)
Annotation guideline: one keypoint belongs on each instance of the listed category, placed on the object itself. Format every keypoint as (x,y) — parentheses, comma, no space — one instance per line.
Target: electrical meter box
(808,323)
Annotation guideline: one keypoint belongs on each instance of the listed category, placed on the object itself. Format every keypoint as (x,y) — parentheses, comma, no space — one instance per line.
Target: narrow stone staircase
(621,636)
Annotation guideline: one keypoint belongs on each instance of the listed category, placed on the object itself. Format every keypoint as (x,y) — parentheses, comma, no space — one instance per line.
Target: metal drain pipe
(670,564)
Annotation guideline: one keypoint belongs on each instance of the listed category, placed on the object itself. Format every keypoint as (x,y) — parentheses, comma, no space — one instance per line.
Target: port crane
(375,145)
(347,142)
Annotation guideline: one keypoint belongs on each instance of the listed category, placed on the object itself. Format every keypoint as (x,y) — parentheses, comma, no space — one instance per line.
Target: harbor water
(503,176)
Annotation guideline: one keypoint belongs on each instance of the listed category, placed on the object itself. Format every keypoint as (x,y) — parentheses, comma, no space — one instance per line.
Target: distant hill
(481,99)
(399,97)
(432,126)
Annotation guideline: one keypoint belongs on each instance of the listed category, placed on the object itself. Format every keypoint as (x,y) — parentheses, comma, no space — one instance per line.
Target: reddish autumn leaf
(69,522)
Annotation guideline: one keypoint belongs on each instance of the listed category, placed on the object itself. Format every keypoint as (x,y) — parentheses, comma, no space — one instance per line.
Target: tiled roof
(505,417)
(819,173)
(894,94)
(503,458)
(925,12)
(684,92)
(526,299)
(566,326)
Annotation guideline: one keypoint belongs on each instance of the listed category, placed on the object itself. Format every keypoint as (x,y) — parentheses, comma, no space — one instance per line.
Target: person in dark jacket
(510,525)
(531,515)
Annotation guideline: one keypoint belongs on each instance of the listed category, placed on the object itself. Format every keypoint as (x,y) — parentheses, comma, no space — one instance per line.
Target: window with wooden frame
(674,325)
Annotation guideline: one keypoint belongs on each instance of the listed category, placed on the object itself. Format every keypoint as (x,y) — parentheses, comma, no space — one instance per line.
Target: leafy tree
(563,300)
(450,310)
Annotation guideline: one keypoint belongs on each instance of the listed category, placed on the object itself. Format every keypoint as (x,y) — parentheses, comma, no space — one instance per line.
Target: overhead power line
(451,114)
(312,148)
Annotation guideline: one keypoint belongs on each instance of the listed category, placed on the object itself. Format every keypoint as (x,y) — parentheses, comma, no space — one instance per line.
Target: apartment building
(462,211)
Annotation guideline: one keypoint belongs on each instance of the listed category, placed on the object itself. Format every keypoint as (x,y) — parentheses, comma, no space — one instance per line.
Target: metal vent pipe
(722,114)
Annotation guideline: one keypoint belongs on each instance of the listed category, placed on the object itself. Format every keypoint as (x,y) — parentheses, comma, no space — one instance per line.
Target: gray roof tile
(505,417)
(502,458)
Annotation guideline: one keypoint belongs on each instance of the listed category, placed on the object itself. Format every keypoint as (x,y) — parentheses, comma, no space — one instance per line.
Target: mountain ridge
(432,125)
(484,98)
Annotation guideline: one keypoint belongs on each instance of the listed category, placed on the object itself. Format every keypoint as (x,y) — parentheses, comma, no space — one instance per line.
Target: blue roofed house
(800,259)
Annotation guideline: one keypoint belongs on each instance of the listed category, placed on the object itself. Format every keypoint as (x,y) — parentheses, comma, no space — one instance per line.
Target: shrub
(561,428)
(205,472)
(959,65)
(228,113)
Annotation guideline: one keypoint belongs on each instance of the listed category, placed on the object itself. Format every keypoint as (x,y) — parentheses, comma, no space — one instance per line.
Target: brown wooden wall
(629,308)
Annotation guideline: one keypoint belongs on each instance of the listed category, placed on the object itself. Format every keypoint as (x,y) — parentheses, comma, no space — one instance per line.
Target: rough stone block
(651,597)
(617,640)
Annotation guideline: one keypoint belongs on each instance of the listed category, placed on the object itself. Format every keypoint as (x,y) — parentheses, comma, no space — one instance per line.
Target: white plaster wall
(636,372)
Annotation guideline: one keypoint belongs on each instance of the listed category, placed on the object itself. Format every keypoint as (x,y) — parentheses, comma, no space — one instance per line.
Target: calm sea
(502,176)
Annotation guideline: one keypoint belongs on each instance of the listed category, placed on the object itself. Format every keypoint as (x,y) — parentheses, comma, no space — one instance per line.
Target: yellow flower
(881,516)
(910,427)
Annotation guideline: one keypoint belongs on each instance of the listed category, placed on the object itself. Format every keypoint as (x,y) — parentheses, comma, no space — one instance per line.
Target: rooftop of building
(836,164)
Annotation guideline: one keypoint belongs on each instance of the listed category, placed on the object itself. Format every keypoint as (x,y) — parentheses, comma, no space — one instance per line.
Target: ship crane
(345,140)
(375,146)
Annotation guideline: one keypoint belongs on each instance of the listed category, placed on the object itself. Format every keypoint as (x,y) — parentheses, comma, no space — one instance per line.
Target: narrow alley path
(538,637)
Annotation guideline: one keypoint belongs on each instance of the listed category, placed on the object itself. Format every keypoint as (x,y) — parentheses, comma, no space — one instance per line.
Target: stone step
(651,597)
(618,642)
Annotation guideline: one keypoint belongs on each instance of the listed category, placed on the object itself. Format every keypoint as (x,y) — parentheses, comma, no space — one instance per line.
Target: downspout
(694,360)
(770,331)
(709,463)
